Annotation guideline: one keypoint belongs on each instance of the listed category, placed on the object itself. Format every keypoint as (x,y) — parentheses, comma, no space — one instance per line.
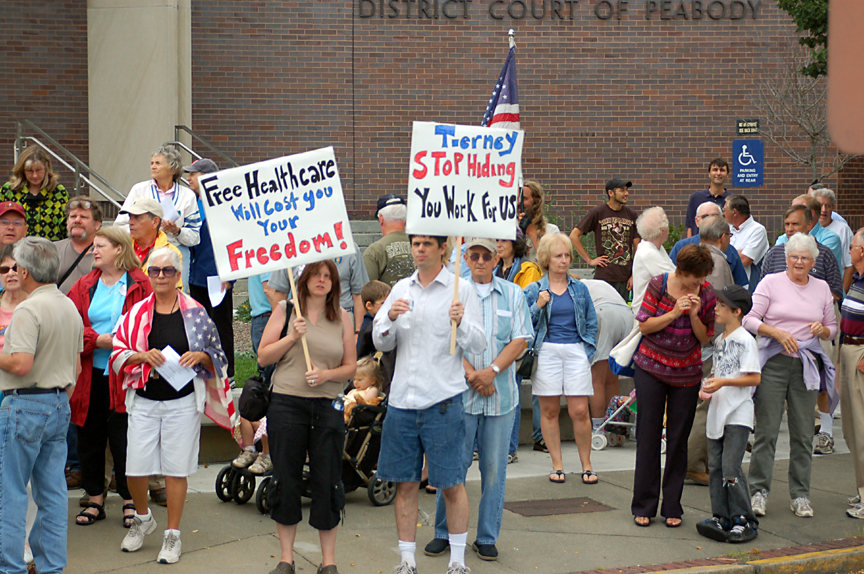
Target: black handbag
(255,398)
(528,363)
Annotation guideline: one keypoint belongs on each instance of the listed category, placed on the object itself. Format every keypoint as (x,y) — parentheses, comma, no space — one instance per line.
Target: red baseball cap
(8,206)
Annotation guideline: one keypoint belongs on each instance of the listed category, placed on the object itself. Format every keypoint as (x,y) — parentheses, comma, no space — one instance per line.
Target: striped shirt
(673,354)
(852,309)
(825,267)
(505,318)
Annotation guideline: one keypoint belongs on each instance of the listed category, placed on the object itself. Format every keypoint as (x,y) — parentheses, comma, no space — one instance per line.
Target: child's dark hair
(368,367)
(374,291)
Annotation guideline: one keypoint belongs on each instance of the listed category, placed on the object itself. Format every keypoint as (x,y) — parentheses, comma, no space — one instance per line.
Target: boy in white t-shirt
(730,420)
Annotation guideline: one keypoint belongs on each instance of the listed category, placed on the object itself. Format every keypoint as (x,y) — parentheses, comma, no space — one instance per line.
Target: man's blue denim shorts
(437,431)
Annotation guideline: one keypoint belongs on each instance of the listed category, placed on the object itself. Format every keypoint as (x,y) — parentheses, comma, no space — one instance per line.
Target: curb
(824,562)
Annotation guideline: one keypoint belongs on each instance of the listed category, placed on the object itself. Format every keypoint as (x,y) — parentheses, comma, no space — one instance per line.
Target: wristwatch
(495,368)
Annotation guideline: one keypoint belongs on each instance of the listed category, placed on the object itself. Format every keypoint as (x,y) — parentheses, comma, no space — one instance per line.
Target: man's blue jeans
(493,438)
(33,448)
(256,332)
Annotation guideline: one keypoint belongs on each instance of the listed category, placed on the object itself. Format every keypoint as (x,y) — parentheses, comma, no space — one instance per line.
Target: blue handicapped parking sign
(748,160)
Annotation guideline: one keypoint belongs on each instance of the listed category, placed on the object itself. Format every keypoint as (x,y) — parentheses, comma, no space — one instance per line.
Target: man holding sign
(426,414)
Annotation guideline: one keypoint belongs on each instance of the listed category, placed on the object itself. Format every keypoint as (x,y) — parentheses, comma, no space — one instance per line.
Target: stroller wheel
(261,496)
(243,488)
(598,441)
(381,493)
(223,484)
(616,439)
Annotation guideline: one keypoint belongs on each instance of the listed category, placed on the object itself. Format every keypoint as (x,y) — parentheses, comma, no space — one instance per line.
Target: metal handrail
(79,168)
(207,144)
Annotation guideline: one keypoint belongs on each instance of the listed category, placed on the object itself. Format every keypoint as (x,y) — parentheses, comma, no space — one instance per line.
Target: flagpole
(510,36)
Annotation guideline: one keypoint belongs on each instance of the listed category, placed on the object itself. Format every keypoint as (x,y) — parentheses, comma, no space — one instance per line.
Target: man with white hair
(733,259)
(834,215)
(389,259)
(827,199)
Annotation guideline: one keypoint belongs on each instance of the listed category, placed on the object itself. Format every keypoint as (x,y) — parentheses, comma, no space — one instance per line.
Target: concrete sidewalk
(225,537)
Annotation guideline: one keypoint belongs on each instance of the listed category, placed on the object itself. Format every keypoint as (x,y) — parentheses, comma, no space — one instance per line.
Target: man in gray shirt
(83,220)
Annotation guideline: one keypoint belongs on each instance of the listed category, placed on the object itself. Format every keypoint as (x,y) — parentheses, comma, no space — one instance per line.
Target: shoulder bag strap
(73,266)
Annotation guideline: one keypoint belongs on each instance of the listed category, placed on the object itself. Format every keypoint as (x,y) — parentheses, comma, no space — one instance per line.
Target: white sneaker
(135,537)
(246,458)
(404,568)
(759,502)
(170,553)
(458,569)
(801,507)
(854,501)
(856,511)
(262,464)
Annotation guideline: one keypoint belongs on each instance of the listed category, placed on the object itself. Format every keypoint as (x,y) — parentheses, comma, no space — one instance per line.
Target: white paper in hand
(214,290)
(168,210)
(171,370)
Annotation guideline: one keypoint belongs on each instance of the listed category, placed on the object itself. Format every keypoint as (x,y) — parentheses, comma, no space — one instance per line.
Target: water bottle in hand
(405,318)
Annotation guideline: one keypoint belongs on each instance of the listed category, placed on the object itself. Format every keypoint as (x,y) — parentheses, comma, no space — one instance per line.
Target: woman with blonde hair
(98,403)
(34,186)
(565,324)
(533,221)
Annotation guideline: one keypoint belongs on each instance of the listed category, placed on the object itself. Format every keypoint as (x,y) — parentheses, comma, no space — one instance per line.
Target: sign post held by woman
(464,181)
(277,214)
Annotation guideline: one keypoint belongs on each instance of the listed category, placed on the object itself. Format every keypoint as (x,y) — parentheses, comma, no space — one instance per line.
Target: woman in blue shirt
(566,326)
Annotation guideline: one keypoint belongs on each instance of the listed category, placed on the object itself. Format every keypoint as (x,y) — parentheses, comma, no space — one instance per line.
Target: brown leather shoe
(73,479)
(699,478)
(159,497)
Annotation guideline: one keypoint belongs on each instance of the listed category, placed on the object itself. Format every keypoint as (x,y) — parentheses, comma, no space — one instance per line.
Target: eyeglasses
(476,256)
(4,269)
(166,271)
(797,258)
(13,222)
(79,204)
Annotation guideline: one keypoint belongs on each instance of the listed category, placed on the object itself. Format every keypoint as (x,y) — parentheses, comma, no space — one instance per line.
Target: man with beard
(83,220)
(615,237)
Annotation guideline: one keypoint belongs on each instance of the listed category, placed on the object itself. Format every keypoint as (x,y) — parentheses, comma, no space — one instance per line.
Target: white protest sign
(464,180)
(276,214)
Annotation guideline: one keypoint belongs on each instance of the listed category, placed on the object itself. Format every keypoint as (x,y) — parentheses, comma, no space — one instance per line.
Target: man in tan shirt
(38,369)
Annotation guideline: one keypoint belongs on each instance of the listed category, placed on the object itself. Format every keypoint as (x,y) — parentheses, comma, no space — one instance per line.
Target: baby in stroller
(247,434)
(367,386)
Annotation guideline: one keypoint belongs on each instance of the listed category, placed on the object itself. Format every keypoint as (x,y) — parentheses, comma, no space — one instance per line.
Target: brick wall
(652,100)
(44,55)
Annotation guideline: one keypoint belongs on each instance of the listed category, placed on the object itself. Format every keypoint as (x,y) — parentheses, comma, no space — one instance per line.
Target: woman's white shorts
(562,369)
(163,437)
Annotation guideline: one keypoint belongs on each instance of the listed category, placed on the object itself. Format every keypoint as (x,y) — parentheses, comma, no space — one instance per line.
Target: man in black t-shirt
(615,237)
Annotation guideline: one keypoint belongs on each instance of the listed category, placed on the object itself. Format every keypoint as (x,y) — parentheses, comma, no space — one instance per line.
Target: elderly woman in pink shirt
(791,312)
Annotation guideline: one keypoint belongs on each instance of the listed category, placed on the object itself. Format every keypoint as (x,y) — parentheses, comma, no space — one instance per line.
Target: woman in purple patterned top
(676,319)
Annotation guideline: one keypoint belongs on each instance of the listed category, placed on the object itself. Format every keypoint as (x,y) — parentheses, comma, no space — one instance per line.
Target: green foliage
(676,234)
(245,366)
(244,312)
(811,18)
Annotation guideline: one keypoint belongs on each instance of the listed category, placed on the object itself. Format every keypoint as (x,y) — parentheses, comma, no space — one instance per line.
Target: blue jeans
(536,433)
(493,436)
(256,332)
(33,448)
(72,460)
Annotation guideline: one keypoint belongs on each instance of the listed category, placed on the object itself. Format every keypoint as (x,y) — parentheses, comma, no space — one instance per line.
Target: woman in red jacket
(98,403)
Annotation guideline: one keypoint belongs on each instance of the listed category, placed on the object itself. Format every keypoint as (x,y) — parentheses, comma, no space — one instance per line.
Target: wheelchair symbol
(744,158)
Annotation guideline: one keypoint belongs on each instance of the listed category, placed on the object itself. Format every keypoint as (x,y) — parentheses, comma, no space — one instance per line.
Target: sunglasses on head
(166,271)
(4,269)
(79,204)
(477,256)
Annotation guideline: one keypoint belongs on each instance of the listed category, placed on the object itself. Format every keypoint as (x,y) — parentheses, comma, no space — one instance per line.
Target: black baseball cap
(387,200)
(616,183)
(736,297)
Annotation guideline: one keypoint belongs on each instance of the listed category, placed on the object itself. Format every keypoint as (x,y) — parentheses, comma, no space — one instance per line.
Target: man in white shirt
(827,199)
(749,237)
(425,414)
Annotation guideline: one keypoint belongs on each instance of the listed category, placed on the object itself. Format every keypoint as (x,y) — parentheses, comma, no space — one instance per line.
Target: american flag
(503,108)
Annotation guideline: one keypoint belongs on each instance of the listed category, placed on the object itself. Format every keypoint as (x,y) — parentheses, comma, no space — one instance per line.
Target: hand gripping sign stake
(299,316)
(453,324)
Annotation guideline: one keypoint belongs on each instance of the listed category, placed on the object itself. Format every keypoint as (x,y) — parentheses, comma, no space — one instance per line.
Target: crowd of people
(108,365)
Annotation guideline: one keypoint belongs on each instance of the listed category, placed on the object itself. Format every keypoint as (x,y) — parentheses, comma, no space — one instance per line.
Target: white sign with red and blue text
(464,180)
(275,214)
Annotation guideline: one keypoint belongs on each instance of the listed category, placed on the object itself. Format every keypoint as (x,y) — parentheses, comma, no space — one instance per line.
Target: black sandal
(586,477)
(128,519)
(91,518)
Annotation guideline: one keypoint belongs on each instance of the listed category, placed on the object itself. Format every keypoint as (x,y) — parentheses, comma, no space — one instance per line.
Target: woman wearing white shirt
(651,258)
(165,170)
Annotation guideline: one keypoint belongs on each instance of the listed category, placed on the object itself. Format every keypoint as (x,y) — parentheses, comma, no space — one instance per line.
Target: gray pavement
(226,537)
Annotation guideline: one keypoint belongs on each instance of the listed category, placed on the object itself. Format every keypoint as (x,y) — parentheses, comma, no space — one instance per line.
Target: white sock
(250,448)
(827,422)
(408,549)
(174,532)
(145,517)
(595,423)
(457,548)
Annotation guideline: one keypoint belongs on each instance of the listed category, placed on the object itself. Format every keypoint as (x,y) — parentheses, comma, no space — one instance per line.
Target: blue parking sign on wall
(748,163)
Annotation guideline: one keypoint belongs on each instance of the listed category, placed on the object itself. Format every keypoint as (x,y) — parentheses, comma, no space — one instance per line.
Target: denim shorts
(437,431)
